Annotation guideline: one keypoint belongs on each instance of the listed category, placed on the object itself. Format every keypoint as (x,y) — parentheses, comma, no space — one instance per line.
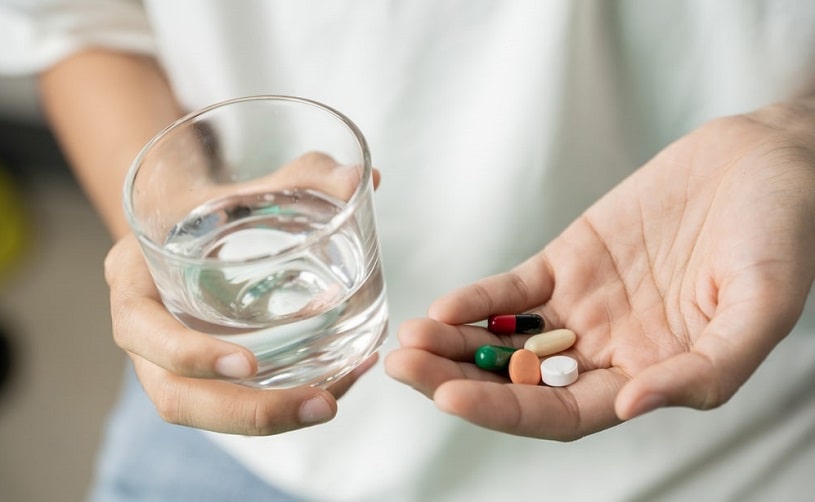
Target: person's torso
(495,124)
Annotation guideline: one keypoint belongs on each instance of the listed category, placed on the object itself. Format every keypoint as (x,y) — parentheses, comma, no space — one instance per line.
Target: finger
(457,342)
(434,352)
(425,371)
(560,413)
(222,406)
(315,170)
(143,326)
(339,388)
(377,177)
(738,338)
(526,286)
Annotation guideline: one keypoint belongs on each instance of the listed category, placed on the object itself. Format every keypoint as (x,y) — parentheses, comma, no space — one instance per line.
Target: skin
(678,283)
(120,101)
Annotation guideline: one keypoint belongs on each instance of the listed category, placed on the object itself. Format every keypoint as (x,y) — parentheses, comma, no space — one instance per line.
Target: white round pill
(559,371)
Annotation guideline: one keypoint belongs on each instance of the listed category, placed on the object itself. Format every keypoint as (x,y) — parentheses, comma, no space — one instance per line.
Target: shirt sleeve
(35,34)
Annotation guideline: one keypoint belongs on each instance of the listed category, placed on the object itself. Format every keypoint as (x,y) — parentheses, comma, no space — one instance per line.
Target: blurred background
(59,367)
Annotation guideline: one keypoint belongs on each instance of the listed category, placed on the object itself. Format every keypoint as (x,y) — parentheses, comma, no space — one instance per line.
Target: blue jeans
(144,458)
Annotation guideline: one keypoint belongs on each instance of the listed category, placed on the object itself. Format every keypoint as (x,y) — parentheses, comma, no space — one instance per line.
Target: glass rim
(337,221)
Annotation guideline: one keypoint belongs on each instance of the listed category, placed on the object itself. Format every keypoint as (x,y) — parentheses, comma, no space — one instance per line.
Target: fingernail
(647,403)
(314,411)
(233,366)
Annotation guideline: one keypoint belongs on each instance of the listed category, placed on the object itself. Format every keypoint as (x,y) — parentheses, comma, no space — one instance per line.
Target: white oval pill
(559,371)
(550,342)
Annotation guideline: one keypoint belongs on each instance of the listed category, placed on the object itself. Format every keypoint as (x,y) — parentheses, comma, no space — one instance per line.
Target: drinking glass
(256,219)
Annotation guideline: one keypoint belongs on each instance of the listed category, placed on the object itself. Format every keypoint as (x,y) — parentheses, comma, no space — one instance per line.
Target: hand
(181,370)
(678,283)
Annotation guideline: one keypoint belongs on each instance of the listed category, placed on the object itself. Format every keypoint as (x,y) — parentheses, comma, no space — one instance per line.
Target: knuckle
(263,419)
(716,379)
(164,390)
(716,394)
(169,406)
(519,286)
(259,425)
(177,354)
(572,408)
(483,295)
(122,319)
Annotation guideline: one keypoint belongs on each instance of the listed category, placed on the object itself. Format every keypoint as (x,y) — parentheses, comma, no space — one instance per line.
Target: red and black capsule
(508,324)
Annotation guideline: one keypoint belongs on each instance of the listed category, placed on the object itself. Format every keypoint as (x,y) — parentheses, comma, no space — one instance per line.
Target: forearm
(103,106)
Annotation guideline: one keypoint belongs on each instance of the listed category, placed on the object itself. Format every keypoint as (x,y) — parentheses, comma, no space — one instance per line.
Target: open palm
(678,283)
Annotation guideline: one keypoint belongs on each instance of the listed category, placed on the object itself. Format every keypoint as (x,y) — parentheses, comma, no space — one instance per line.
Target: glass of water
(256,219)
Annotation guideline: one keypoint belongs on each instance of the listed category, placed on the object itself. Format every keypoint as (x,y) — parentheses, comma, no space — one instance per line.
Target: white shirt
(495,124)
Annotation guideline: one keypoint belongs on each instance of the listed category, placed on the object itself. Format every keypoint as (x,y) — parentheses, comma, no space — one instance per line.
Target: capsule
(522,324)
(493,357)
(551,342)
(524,368)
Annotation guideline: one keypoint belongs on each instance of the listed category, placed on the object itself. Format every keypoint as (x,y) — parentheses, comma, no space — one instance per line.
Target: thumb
(689,379)
(727,352)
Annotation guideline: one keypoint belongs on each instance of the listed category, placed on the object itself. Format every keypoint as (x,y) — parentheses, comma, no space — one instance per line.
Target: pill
(507,324)
(524,368)
(550,342)
(493,357)
(558,371)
